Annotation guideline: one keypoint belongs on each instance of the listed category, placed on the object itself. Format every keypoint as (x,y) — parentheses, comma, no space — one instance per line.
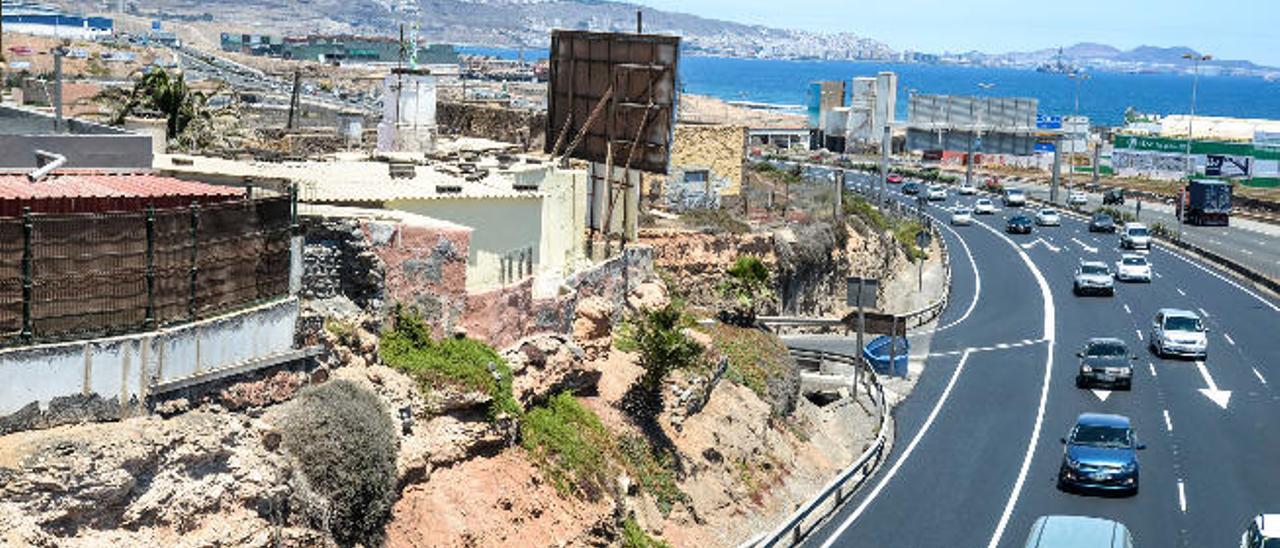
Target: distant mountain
(511,23)
(1105,56)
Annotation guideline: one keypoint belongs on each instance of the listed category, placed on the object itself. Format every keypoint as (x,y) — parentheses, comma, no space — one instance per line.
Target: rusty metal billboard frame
(611,98)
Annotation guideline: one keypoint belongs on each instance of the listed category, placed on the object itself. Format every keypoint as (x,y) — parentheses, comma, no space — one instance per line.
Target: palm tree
(161,93)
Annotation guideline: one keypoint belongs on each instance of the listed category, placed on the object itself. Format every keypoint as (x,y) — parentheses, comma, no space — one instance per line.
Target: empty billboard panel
(635,74)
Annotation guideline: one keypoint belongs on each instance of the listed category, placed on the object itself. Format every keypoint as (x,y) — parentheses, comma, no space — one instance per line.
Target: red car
(894,179)
(21,50)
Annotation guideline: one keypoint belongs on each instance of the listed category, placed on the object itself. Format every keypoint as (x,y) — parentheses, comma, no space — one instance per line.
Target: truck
(1205,202)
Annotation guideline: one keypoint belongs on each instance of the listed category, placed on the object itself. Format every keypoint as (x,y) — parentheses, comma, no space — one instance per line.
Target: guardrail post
(151,267)
(28,229)
(195,260)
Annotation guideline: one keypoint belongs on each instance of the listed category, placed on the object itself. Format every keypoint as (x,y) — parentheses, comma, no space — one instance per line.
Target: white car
(967,189)
(937,193)
(1048,216)
(984,206)
(1133,268)
(1076,198)
(1015,197)
(962,216)
(1179,332)
(1263,532)
(1135,236)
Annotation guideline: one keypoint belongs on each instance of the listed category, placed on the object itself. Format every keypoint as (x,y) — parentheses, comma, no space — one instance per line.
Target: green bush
(570,445)
(462,362)
(757,360)
(654,471)
(663,346)
(634,536)
(344,440)
(745,284)
(856,205)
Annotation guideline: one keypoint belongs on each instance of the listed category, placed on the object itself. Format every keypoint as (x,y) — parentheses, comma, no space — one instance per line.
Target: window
(696,176)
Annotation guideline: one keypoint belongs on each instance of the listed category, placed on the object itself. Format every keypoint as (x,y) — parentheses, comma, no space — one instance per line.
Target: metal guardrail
(801,522)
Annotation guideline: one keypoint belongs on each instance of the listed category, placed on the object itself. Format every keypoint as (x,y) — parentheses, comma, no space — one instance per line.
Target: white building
(408,112)
(873,103)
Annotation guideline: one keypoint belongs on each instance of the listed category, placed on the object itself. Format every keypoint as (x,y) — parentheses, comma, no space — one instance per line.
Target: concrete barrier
(111,378)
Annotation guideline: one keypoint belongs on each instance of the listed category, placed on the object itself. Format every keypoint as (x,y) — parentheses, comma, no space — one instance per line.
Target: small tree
(663,348)
(745,284)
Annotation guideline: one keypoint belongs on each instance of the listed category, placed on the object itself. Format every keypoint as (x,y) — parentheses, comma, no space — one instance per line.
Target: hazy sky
(1230,29)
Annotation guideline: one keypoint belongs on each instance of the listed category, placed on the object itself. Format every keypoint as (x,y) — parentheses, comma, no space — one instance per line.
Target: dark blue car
(1100,455)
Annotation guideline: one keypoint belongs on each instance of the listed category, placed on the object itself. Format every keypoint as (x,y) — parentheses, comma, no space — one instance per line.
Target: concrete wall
(720,149)
(112,377)
(507,225)
(82,151)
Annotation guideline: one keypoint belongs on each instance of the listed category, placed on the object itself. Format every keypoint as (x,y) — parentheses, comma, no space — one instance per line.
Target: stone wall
(526,128)
(720,149)
(696,261)
(377,258)
(503,316)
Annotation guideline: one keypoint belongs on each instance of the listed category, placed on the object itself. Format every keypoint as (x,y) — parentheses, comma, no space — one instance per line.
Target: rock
(594,320)
(368,341)
(648,296)
(543,365)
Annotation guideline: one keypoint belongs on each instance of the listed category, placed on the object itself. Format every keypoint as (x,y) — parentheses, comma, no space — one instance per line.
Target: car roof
(1102,419)
(1134,225)
(1178,312)
(1105,340)
(1269,525)
(1093,263)
(1133,256)
(1077,532)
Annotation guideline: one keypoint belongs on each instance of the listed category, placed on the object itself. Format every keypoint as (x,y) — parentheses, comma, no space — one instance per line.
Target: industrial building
(872,105)
(39,19)
(333,48)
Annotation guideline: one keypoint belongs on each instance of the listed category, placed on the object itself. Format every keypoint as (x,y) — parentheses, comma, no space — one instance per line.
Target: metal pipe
(48,161)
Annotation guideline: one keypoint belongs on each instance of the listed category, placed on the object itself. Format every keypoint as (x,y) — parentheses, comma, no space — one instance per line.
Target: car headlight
(1086,369)
(1130,466)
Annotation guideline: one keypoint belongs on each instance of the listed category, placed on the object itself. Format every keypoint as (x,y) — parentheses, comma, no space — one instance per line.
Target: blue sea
(1104,97)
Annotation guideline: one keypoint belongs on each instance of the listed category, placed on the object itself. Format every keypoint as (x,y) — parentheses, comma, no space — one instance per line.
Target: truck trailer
(1206,202)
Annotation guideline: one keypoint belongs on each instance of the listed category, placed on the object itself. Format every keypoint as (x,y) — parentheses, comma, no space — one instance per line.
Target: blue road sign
(1043,147)
(1048,122)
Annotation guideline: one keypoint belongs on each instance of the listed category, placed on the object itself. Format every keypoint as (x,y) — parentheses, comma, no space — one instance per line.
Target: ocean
(1103,98)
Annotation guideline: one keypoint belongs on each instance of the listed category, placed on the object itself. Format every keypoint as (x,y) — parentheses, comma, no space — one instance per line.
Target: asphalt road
(977,451)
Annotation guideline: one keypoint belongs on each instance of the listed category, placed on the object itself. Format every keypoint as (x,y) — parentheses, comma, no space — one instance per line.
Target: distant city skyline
(1227,29)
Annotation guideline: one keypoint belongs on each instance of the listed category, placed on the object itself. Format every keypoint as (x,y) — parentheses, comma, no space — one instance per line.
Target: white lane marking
(1220,397)
(1126,309)
(1203,314)
(1168,424)
(1033,243)
(1256,373)
(1088,248)
(1247,252)
(1269,304)
(977,278)
(1152,367)
(1139,332)
(906,453)
(1159,275)
(1229,339)
(1050,325)
(1181,292)
(1182,497)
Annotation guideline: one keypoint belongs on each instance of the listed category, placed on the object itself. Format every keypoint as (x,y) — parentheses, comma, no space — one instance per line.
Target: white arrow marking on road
(1102,394)
(1168,424)
(1033,243)
(1261,379)
(1088,248)
(1220,397)
(1229,339)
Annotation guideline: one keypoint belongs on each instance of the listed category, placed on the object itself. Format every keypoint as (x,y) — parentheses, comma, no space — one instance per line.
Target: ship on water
(1058,65)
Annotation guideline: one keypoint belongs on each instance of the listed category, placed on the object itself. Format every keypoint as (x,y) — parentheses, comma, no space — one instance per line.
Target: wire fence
(75,276)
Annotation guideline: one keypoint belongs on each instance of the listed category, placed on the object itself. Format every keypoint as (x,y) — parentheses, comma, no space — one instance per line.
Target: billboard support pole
(1057,169)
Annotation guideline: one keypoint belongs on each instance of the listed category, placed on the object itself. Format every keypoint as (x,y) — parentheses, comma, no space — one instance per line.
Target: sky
(1227,29)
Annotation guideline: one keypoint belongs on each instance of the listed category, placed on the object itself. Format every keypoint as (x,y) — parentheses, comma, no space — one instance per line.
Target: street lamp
(1191,167)
(1079,77)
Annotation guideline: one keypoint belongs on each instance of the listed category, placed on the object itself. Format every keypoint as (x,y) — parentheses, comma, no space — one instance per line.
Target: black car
(1114,196)
(1105,361)
(1018,224)
(911,188)
(1101,222)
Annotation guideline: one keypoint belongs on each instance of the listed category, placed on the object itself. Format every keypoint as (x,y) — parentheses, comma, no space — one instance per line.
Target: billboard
(1220,165)
(612,96)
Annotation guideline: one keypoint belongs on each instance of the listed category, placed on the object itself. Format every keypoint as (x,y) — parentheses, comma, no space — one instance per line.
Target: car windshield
(962,211)
(1100,436)
(1093,269)
(1135,261)
(1015,192)
(1137,232)
(1106,349)
(1101,218)
(1047,212)
(1271,543)
(1182,323)
(984,201)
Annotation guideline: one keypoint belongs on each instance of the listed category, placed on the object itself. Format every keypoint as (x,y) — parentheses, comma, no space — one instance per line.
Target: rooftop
(25,121)
(72,191)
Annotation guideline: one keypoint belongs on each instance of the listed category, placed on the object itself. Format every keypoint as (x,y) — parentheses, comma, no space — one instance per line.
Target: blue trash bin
(877,354)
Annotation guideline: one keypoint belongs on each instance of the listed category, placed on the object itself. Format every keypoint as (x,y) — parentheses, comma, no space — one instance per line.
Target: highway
(977,446)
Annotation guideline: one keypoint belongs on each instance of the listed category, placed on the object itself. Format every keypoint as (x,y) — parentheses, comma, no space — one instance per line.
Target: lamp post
(1191,167)
(1079,77)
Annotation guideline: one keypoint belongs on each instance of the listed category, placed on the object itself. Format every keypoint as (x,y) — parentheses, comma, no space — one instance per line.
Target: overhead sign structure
(867,297)
(1044,121)
(611,98)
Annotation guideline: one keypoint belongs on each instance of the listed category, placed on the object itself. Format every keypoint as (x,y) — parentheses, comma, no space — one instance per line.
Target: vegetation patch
(634,536)
(654,470)
(570,445)
(904,230)
(461,362)
(715,220)
(344,440)
(757,359)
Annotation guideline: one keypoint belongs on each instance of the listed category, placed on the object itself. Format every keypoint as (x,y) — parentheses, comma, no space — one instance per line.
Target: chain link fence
(77,276)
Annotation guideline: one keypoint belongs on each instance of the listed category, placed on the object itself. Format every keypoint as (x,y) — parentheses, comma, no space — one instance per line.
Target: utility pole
(294,101)
(639,22)
(1079,77)
(1191,167)
(1057,169)
(57,88)
(884,166)
(839,201)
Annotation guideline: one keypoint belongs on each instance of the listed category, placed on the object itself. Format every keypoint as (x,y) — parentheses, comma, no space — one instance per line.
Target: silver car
(1093,277)
(1179,332)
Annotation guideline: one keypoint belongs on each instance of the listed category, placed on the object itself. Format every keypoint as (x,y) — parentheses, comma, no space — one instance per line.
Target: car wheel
(1128,385)
(1079,381)
(1160,350)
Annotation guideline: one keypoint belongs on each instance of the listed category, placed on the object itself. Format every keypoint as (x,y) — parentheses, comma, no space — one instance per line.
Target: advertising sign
(1218,165)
